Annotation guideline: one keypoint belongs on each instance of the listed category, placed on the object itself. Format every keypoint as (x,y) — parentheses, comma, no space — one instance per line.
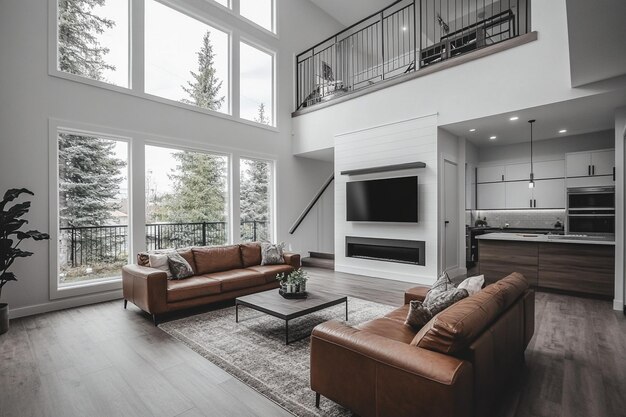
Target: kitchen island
(577,264)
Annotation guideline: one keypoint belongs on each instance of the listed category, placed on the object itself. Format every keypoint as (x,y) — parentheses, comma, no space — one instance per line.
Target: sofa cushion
(250,254)
(272,253)
(455,328)
(179,267)
(237,279)
(143,258)
(389,328)
(270,271)
(194,287)
(216,258)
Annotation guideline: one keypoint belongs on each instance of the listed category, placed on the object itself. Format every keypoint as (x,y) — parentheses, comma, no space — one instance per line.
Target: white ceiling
(348,12)
(580,116)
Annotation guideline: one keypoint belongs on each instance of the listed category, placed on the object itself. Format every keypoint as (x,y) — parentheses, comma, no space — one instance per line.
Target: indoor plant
(10,238)
(294,282)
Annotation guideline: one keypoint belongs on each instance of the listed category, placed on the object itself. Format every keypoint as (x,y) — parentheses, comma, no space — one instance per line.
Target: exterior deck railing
(402,38)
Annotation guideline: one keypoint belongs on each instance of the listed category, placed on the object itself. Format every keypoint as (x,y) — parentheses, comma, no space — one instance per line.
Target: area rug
(254,350)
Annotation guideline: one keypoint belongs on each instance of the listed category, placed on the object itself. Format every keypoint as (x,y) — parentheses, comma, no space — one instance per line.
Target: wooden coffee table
(272,303)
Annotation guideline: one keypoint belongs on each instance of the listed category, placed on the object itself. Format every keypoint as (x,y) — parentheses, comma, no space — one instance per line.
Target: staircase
(320,260)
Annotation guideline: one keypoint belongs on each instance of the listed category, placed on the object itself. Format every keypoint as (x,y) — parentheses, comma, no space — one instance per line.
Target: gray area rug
(254,350)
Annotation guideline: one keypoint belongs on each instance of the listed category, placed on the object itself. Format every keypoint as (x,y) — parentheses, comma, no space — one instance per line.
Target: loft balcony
(400,40)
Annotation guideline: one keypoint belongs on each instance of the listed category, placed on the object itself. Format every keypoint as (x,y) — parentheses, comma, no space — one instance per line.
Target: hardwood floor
(102,360)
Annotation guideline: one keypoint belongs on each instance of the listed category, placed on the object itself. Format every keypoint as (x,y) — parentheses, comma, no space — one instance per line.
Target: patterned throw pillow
(179,267)
(418,315)
(272,254)
(421,313)
(443,283)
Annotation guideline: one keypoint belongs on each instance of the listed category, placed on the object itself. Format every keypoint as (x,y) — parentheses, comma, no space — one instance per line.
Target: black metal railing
(82,246)
(386,44)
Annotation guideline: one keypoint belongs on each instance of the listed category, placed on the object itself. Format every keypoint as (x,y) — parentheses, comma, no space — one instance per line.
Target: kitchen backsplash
(539,219)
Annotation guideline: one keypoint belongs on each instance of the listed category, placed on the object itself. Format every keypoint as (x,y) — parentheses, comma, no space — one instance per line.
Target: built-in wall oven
(591,210)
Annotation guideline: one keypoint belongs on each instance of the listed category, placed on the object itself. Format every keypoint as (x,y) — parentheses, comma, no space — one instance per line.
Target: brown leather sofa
(220,273)
(458,365)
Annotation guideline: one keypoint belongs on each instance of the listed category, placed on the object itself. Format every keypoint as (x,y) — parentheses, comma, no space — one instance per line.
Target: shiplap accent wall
(406,141)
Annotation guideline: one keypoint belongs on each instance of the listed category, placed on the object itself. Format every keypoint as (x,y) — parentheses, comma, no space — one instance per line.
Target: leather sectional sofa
(458,365)
(220,273)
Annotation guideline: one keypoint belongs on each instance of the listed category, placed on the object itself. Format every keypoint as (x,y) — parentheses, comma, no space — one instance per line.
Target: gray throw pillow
(443,283)
(445,299)
(272,254)
(418,315)
(179,267)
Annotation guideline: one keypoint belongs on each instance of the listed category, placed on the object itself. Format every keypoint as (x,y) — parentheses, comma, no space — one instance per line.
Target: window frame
(56,126)
(274,13)
(274,55)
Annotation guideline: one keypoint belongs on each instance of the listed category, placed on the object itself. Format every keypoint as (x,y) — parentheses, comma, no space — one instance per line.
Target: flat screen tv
(386,200)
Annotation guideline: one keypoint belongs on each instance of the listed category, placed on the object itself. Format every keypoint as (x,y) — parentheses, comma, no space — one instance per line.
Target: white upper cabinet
(517,195)
(578,164)
(517,172)
(602,162)
(490,196)
(549,169)
(549,193)
(491,174)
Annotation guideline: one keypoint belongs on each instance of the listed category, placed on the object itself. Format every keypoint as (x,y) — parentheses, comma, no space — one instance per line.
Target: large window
(93,207)
(260,12)
(255,201)
(93,39)
(185,59)
(187,196)
(256,85)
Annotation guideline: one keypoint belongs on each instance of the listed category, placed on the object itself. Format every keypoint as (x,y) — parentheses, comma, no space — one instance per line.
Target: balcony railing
(385,45)
(83,246)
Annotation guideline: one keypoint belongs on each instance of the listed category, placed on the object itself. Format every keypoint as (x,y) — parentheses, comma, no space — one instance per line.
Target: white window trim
(136,59)
(274,54)
(95,286)
(236,11)
(273,192)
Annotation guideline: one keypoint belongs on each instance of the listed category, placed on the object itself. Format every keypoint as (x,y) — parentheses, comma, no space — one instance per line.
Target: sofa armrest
(292,259)
(415,293)
(145,287)
(387,377)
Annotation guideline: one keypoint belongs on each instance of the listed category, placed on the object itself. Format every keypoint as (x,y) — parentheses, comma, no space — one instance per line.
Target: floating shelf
(386,168)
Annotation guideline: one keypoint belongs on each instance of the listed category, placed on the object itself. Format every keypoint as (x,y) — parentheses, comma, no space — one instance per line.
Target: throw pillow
(418,315)
(160,261)
(272,254)
(445,299)
(473,284)
(179,267)
(443,283)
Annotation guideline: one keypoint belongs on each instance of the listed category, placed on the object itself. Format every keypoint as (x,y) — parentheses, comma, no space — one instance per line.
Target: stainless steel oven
(591,210)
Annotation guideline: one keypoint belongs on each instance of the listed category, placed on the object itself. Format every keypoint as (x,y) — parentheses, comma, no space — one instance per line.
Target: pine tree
(89,178)
(204,90)
(199,190)
(80,51)
(255,191)
(261,117)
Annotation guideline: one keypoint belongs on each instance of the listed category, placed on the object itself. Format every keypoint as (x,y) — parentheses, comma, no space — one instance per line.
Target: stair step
(322,255)
(319,263)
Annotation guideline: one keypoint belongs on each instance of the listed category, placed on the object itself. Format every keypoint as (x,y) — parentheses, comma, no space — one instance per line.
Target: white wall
(30,97)
(413,140)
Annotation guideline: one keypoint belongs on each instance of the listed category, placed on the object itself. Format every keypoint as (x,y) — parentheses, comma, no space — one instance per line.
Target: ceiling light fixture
(514,118)
(404,28)
(493,137)
(472,130)
(563,131)
(531,183)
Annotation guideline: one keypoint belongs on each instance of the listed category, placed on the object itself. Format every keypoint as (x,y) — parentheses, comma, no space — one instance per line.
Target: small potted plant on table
(293,284)
(10,238)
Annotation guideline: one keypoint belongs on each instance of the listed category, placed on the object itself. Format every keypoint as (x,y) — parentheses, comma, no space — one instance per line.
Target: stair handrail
(312,203)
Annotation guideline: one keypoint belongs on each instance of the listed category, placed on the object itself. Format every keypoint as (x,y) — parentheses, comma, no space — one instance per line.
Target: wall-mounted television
(385,200)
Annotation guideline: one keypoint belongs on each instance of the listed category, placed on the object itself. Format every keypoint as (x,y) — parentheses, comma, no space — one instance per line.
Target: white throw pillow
(473,284)
(160,261)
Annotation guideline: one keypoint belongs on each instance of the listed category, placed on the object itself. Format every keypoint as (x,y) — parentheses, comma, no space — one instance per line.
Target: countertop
(537,238)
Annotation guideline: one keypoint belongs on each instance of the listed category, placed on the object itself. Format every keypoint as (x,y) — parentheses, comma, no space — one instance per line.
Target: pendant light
(531,183)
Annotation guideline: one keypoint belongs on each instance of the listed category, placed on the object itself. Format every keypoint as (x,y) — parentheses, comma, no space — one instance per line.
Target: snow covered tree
(262,117)
(89,178)
(80,52)
(199,190)
(204,89)
(255,191)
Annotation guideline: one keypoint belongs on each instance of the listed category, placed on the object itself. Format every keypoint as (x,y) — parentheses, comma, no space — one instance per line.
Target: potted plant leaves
(293,284)
(11,236)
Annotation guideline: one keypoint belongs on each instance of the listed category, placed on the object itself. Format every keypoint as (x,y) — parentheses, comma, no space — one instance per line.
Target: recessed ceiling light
(514,118)
(493,137)
(472,130)
(403,27)
(563,131)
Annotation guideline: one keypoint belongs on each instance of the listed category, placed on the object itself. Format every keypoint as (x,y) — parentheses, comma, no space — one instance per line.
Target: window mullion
(235,71)
(136,59)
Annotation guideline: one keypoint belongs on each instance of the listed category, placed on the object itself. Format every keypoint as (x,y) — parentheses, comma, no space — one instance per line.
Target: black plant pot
(4,318)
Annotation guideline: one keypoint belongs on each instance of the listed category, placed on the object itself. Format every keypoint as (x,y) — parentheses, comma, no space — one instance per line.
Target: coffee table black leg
(236,312)
(346,310)
(286,332)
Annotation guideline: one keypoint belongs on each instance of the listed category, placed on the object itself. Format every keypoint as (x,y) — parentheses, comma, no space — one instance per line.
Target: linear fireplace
(387,250)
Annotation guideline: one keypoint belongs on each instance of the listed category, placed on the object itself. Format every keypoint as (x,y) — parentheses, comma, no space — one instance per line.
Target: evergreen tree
(89,178)
(199,190)
(203,91)
(261,117)
(255,191)
(80,51)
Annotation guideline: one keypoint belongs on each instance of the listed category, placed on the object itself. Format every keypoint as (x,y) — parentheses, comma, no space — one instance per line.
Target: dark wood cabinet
(578,268)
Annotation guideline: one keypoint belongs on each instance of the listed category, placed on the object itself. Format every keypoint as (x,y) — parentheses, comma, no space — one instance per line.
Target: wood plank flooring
(102,360)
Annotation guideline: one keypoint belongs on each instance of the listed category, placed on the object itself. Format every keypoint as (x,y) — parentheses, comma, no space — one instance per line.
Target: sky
(172,41)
